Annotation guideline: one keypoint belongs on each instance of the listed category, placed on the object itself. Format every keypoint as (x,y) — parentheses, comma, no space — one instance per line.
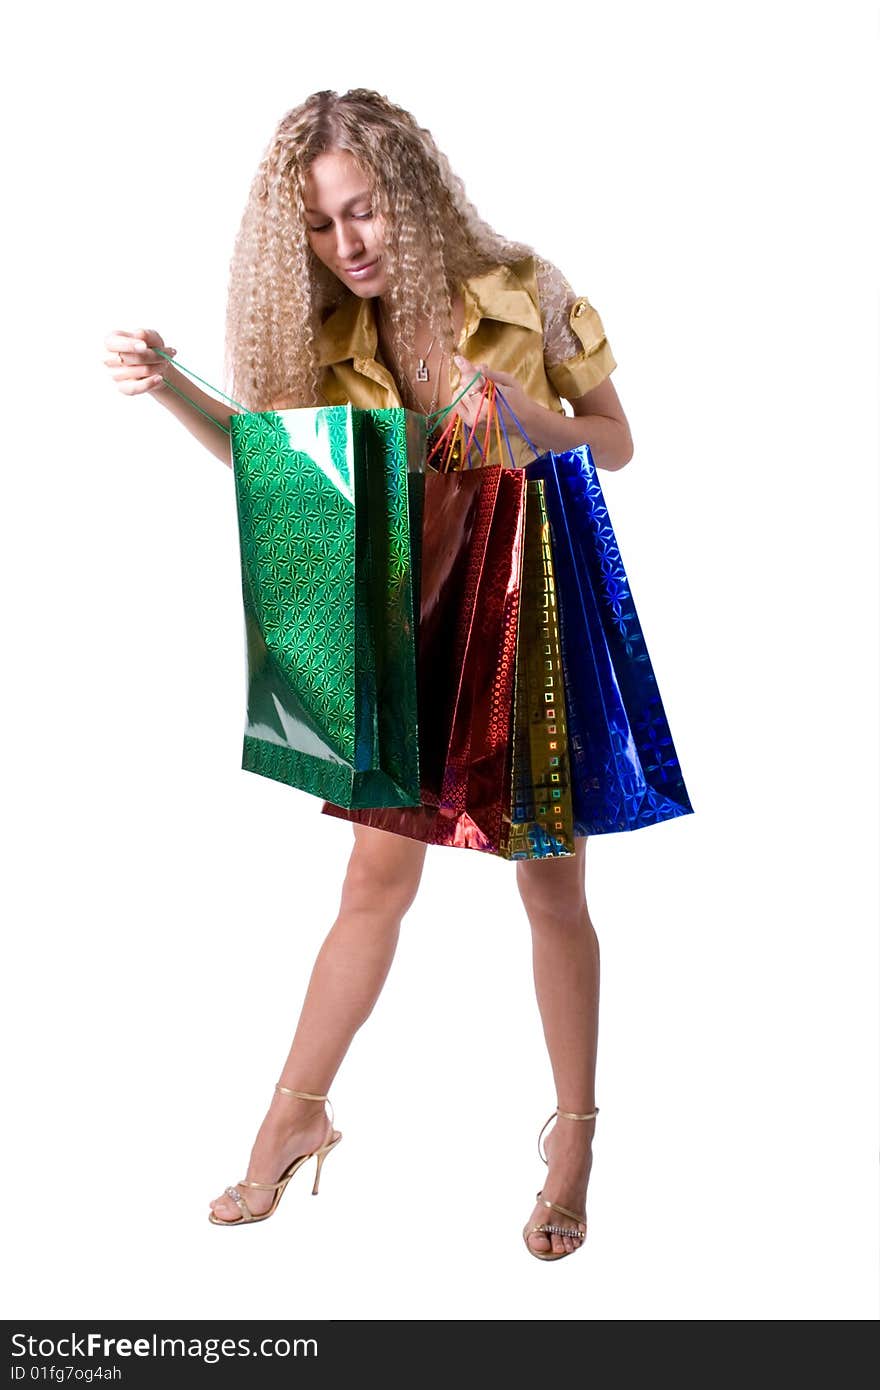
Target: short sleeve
(577,354)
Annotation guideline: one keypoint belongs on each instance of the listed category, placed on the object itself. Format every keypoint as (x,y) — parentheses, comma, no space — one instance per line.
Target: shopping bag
(625,773)
(328,502)
(538,821)
(470,574)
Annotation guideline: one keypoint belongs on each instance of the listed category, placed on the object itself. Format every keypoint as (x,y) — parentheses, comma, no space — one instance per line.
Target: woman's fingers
(122,341)
(135,339)
(470,402)
(130,358)
(135,386)
(137,346)
(133,359)
(133,371)
(466,368)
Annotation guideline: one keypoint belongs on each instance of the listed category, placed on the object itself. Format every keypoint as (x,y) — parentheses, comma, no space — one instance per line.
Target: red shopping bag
(471,570)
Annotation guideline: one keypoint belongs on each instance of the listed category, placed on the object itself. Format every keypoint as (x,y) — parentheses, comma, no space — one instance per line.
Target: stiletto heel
(322,1154)
(573,1232)
(331,1140)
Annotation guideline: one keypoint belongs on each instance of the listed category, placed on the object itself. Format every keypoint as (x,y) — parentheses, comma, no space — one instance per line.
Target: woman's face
(342,231)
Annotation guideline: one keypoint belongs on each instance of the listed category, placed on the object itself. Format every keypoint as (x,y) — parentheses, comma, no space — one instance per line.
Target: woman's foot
(568,1147)
(291,1127)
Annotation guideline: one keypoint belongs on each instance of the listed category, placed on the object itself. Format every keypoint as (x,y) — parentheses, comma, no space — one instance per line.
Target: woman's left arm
(598,419)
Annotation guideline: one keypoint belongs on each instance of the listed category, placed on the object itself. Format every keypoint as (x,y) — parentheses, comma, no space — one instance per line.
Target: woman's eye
(358,217)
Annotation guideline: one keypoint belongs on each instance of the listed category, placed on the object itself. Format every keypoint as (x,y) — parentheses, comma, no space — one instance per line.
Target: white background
(706,176)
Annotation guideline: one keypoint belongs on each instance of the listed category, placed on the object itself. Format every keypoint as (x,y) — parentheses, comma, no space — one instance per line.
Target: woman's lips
(362,271)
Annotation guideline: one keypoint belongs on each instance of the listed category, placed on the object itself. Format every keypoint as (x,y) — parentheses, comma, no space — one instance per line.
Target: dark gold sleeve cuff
(577,375)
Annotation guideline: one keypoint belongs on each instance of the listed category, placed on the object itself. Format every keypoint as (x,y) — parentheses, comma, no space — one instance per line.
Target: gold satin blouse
(523,319)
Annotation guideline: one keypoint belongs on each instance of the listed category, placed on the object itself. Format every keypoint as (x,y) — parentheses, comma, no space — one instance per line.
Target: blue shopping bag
(625,772)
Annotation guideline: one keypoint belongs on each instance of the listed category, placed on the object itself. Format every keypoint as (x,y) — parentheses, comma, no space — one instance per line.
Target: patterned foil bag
(329,510)
(624,768)
(470,583)
(538,822)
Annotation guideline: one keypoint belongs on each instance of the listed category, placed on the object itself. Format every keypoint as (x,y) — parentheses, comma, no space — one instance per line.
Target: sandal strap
(307,1095)
(303,1095)
(566,1115)
(557,1230)
(563,1211)
(246,1213)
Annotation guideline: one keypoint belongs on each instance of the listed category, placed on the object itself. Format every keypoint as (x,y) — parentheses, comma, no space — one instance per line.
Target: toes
(554,1243)
(564,1245)
(225,1209)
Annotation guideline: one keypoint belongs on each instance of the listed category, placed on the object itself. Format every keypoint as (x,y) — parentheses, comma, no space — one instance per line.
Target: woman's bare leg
(380,884)
(565,956)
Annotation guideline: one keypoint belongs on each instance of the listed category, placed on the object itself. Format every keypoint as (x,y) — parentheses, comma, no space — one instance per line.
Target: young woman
(361,273)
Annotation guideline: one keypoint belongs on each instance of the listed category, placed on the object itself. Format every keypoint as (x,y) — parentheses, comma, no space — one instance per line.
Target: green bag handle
(436,417)
(191,402)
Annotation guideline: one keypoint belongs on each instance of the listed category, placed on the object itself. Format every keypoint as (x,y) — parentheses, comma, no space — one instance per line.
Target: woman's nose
(348,242)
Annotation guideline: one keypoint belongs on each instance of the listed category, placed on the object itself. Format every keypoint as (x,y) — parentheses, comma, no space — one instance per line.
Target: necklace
(422,367)
(422,373)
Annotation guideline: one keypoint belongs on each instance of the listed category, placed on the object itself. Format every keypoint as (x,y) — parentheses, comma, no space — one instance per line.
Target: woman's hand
(523,407)
(132,363)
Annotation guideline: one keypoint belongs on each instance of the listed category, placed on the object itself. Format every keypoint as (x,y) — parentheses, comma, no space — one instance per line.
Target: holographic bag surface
(328,503)
(625,772)
(538,821)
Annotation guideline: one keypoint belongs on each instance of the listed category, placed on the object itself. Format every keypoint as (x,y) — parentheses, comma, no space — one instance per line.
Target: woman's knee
(553,889)
(384,871)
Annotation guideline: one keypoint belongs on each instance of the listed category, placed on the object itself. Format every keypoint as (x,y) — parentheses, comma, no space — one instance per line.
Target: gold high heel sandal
(552,1229)
(332,1139)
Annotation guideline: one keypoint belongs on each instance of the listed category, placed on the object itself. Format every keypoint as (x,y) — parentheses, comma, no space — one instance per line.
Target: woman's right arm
(142,371)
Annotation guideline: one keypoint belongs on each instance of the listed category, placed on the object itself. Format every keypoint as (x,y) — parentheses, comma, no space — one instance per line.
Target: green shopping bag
(329,503)
(328,510)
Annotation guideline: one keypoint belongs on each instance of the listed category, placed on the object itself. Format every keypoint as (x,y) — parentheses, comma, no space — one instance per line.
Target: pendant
(422,371)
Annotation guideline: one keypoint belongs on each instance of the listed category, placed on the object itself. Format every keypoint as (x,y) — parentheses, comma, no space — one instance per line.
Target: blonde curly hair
(279,291)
